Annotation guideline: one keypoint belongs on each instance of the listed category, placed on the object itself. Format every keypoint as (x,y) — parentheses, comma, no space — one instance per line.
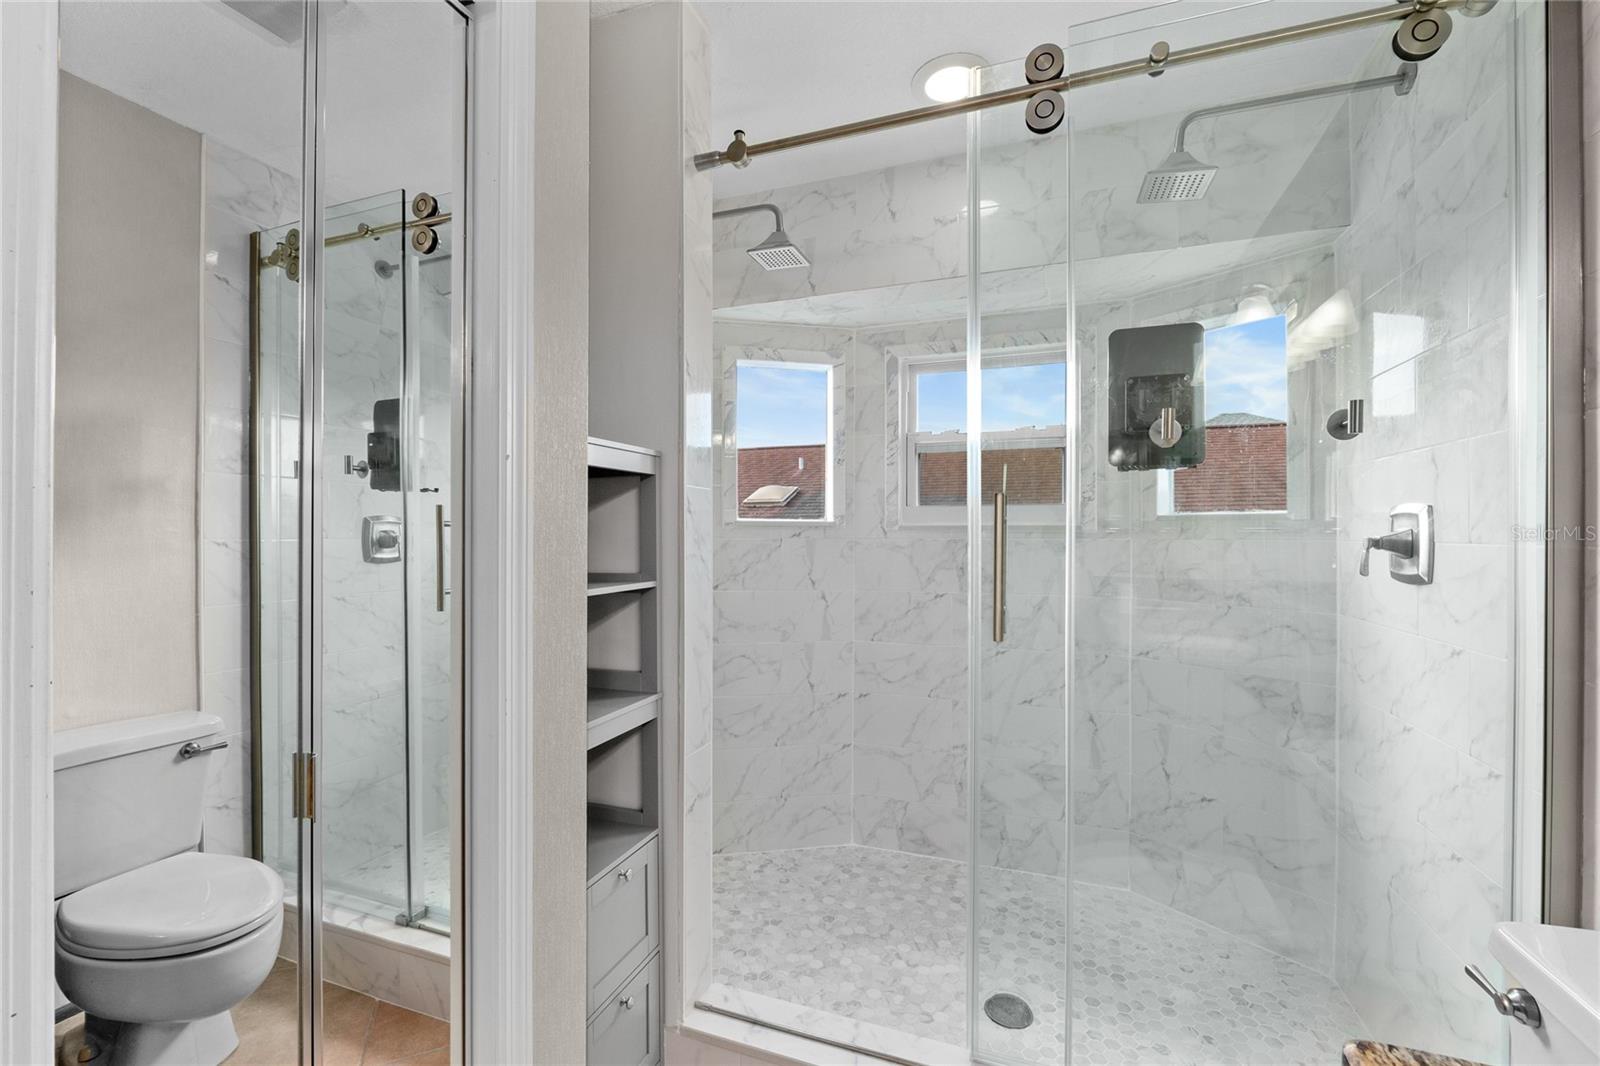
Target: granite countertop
(1372,1053)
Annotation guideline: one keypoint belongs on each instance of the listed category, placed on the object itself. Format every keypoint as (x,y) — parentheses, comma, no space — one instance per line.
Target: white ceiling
(786,66)
(392,87)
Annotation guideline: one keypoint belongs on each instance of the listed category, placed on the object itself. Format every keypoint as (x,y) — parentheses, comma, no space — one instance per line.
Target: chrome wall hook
(1166,430)
(1348,423)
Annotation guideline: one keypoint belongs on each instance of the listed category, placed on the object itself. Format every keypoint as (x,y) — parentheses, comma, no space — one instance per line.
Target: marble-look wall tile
(242,195)
(1424,702)
(921,828)
(771,822)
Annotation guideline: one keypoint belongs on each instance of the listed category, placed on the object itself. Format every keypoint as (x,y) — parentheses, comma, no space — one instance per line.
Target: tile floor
(358,1030)
(880,937)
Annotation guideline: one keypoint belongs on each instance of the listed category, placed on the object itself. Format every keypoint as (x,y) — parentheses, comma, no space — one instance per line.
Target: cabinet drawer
(626,1031)
(624,927)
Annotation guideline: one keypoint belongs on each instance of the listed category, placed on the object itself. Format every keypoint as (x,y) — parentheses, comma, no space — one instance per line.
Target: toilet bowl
(155,941)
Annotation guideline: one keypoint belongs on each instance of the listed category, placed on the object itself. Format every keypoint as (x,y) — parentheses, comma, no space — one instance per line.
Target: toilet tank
(124,797)
(1560,966)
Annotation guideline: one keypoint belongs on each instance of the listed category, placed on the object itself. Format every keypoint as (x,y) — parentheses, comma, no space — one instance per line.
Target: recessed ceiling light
(947,77)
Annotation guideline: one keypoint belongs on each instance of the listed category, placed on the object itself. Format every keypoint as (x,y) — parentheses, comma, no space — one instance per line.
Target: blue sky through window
(1014,397)
(1247,371)
(781,405)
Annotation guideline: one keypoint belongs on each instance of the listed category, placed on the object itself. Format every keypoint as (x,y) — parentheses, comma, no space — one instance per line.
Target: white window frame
(1166,503)
(913,442)
(826,367)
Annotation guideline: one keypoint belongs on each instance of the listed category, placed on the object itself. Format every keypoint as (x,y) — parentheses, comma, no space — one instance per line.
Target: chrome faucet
(1402,543)
(1409,543)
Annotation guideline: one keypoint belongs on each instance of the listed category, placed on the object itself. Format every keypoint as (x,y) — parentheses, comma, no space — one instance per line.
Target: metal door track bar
(1161,58)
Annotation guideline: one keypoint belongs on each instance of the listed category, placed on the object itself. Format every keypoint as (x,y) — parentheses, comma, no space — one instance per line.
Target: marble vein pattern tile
(1424,720)
(860,944)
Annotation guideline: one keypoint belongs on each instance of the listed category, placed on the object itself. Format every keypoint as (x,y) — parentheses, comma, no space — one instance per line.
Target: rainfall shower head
(1179,177)
(1182,177)
(777,252)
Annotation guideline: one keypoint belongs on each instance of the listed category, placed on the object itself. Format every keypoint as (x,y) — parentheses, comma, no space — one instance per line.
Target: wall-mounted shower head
(1179,177)
(1183,177)
(777,252)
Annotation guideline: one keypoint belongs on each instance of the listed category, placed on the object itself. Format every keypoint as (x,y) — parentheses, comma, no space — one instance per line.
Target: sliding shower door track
(739,153)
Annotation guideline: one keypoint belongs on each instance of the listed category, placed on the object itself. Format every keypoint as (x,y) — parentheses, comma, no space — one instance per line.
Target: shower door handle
(440,524)
(1000,563)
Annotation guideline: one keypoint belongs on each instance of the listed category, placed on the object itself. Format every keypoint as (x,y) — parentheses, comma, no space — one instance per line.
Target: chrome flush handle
(1517,1003)
(191,749)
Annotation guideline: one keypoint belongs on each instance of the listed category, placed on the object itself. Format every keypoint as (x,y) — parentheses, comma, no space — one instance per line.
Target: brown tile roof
(804,466)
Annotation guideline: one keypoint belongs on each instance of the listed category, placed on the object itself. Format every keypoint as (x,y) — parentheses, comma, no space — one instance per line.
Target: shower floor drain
(1008,1011)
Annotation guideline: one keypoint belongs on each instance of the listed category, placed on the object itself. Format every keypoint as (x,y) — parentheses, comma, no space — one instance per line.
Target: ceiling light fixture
(948,77)
(1256,304)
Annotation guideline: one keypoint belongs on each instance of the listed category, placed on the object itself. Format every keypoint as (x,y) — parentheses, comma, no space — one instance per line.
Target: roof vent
(772,495)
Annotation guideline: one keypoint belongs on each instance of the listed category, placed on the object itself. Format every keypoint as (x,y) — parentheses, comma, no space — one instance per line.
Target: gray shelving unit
(623,717)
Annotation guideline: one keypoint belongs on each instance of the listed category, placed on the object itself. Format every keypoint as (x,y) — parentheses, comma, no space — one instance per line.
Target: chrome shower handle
(1402,543)
(1000,560)
(440,590)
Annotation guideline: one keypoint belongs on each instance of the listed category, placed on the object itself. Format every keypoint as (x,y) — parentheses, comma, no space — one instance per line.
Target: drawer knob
(626,875)
(627,1002)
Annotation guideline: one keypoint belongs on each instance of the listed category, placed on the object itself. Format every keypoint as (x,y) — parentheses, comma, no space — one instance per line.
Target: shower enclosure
(384,806)
(1087,722)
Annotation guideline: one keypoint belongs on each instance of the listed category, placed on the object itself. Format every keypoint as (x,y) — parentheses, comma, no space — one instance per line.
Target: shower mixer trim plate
(381,540)
(1409,543)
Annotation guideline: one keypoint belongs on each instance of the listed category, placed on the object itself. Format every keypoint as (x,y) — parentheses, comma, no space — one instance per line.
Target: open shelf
(607,585)
(615,457)
(613,712)
(610,841)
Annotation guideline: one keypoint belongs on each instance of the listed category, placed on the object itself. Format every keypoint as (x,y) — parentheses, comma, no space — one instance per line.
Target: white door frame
(27,380)
(496,945)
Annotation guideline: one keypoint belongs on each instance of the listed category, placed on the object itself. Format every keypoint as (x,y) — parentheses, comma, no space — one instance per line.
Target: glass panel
(839,740)
(391,378)
(1019,336)
(1283,768)
(366,441)
(178,443)
(433,387)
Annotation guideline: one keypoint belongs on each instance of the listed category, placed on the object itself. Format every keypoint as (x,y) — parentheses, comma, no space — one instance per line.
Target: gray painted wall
(127,411)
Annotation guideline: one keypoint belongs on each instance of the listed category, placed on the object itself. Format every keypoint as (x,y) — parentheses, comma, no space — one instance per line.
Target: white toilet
(155,940)
(1560,968)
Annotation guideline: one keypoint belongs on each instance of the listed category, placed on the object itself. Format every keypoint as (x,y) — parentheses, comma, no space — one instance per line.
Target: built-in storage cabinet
(623,739)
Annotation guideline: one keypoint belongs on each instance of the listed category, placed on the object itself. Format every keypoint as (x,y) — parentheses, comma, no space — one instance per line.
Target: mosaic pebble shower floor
(880,937)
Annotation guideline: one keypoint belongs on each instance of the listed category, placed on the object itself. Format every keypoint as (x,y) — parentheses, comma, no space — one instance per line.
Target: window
(784,433)
(1024,437)
(1247,426)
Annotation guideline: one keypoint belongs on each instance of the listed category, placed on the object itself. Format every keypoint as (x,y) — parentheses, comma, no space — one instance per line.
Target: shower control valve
(380,539)
(1409,543)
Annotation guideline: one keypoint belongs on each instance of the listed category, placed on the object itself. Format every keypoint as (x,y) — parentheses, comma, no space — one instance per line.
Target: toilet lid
(181,904)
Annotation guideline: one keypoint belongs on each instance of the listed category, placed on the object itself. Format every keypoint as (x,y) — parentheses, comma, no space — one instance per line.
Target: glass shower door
(1018,486)
(367,552)
(1290,764)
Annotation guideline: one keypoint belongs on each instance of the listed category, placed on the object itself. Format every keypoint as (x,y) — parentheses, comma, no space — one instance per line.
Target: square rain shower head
(1179,177)
(778,252)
